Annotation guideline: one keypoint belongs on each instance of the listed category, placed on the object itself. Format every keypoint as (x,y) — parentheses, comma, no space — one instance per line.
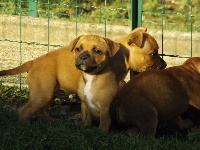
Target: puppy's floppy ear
(73,43)
(140,29)
(113,47)
(137,38)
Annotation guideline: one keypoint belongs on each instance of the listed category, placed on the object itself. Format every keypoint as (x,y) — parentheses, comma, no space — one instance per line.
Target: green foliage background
(173,15)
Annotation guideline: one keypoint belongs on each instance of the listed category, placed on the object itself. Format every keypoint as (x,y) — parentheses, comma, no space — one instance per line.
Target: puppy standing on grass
(100,80)
(98,83)
(55,70)
(157,95)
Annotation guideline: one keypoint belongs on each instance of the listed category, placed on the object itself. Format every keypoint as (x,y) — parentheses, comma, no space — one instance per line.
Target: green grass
(65,135)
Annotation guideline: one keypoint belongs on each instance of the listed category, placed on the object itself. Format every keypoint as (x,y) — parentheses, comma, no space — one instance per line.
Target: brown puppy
(100,79)
(98,84)
(56,70)
(157,95)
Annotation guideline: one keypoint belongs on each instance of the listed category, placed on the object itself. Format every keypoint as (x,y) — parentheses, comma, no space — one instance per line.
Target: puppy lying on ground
(55,70)
(156,96)
(100,80)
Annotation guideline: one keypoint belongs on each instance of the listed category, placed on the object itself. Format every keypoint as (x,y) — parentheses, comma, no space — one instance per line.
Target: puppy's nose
(163,65)
(84,56)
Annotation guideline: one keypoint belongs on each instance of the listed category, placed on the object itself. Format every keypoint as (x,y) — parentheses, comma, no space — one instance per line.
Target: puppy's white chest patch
(87,91)
(88,86)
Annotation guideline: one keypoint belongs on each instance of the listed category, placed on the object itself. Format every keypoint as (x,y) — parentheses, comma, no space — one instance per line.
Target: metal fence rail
(30,28)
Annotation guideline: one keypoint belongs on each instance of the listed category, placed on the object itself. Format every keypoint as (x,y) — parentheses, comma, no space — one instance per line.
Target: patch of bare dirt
(64,106)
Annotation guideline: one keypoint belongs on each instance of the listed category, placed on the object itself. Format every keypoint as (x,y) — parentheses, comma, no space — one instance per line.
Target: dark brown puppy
(157,95)
(57,70)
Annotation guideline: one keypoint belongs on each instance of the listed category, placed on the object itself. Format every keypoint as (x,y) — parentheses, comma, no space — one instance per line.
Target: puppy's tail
(20,69)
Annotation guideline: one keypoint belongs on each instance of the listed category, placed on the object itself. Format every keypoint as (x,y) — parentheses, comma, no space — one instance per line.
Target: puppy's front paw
(105,126)
(87,121)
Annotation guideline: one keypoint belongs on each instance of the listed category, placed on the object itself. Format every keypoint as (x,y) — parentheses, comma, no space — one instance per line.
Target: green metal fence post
(163,25)
(136,13)
(48,24)
(105,17)
(33,10)
(139,23)
(20,45)
(76,18)
(136,19)
(191,15)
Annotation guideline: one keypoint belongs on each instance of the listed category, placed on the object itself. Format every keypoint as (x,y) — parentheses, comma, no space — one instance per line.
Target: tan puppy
(56,70)
(156,96)
(98,84)
(100,79)
(45,74)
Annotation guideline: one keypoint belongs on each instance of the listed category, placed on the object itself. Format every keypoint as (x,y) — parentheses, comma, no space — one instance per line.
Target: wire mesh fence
(30,28)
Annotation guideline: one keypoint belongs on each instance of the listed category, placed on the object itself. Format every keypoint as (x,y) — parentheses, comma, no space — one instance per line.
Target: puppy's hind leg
(149,125)
(132,131)
(31,108)
(44,115)
(38,101)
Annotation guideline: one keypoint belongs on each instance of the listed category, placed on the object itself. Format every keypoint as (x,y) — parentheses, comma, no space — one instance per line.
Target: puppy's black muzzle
(162,65)
(85,62)
(158,64)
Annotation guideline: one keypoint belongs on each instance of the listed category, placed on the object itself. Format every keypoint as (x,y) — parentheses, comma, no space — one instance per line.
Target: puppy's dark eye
(97,51)
(78,49)
(154,54)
